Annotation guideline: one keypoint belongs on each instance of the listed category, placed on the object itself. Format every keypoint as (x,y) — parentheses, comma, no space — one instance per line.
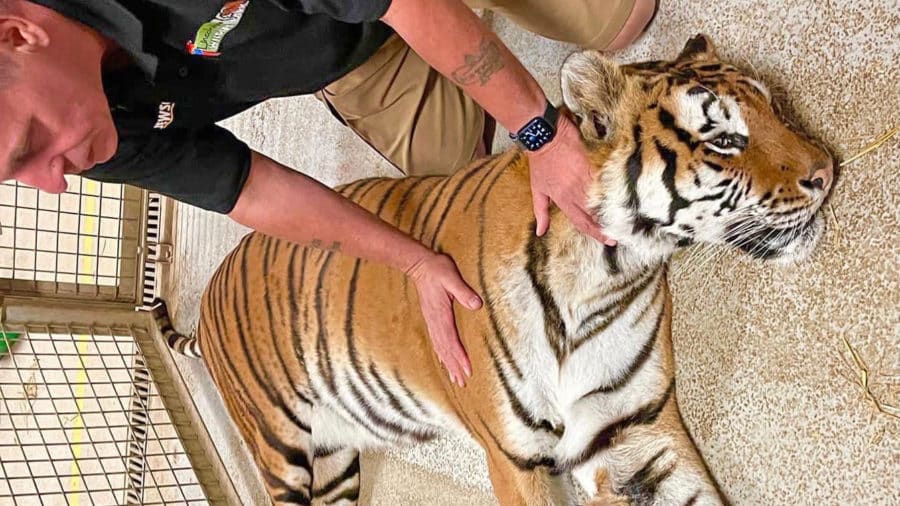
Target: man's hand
(439,283)
(561,172)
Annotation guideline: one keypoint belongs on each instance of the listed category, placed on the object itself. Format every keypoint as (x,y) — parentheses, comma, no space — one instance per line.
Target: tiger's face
(706,156)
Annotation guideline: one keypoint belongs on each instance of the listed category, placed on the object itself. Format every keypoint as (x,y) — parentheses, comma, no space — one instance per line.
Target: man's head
(56,118)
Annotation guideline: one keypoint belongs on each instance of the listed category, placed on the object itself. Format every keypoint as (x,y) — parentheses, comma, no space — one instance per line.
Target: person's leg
(416,118)
(593,24)
(642,15)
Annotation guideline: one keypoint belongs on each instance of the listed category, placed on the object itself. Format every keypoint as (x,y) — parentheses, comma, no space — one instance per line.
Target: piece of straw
(864,382)
(877,437)
(868,149)
(872,147)
(837,224)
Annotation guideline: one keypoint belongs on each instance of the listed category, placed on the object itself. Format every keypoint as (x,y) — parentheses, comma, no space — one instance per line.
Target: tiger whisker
(706,253)
(713,254)
(757,248)
(688,267)
(695,252)
(698,256)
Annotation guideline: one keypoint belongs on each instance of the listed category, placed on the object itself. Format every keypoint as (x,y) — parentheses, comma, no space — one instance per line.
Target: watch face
(535,134)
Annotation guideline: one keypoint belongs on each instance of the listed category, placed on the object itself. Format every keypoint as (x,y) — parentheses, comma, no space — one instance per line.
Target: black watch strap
(539,131)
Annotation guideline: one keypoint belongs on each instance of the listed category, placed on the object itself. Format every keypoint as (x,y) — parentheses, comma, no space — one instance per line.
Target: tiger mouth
(777,243)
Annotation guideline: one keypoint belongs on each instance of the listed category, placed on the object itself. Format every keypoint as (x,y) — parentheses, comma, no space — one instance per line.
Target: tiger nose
(820,176)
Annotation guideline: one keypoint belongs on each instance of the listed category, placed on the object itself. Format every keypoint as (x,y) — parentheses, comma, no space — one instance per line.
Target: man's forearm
(287,204)
(451,38)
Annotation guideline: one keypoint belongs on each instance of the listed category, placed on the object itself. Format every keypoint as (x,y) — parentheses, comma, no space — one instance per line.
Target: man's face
(56,118)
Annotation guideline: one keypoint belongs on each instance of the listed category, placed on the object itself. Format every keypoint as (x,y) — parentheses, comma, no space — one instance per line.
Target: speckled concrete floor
(761,374)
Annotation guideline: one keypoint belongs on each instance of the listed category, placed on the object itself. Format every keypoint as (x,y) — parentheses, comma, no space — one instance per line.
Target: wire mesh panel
(84,243)
(82,421)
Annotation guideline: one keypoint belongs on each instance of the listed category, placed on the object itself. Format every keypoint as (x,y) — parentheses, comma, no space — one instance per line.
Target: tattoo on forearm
(318,244)
(479,67)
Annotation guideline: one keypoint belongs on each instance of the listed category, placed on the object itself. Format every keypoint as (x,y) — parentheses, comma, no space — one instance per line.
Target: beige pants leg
(591,24)
(417,119)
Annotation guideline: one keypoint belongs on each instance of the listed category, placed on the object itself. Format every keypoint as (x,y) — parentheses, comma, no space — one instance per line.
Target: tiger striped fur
(318,355)
(138,422)
(184,345)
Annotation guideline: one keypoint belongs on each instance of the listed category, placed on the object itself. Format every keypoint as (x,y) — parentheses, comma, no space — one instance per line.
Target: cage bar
(81,244)
(93,409)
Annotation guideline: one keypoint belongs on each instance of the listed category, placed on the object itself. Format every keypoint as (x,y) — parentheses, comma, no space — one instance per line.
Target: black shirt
(197,62)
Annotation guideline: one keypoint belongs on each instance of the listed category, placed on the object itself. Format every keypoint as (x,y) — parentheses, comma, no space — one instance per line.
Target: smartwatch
(538,131)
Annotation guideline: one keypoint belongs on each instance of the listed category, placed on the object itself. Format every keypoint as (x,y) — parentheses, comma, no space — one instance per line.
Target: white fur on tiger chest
(556,393)
(359,412)
(334,429)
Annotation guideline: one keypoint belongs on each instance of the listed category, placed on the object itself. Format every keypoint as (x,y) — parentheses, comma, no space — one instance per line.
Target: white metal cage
(92,407)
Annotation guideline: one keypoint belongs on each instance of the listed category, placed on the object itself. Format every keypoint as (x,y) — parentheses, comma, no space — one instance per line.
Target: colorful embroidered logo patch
(210,34)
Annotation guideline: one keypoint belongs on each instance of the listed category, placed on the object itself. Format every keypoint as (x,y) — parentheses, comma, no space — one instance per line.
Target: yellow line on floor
(86,274)
(73,497)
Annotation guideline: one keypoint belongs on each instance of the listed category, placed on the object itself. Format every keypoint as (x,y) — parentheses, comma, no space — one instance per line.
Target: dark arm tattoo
(479,67)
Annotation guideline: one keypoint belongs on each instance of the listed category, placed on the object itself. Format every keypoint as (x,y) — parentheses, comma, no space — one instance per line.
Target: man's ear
(592,88)
(18,34)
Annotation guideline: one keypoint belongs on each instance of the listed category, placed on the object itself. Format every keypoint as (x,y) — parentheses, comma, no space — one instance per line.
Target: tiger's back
(286,327)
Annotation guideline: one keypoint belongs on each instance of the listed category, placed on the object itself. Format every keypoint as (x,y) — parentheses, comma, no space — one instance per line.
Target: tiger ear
(593,87)
(699,47)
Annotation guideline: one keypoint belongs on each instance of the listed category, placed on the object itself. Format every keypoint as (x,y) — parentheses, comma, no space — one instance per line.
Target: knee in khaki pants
(416,118)
(593,24)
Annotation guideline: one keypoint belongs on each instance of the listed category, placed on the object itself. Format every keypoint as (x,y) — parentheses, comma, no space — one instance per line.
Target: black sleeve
(349,11)
(206,168)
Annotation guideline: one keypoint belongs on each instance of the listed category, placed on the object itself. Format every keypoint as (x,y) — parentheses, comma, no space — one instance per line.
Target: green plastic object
(7,339)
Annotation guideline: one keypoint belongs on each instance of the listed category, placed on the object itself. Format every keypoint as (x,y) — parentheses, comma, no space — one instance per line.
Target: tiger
(318,356)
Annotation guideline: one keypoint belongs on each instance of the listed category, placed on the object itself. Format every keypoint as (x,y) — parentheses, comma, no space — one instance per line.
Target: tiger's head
(692,150)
